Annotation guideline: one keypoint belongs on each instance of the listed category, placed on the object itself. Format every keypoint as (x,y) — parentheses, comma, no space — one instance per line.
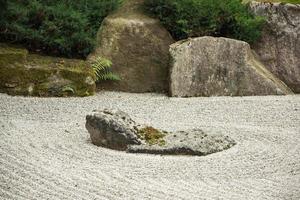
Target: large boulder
(138,47)
(208,66)
(26,74)
(114,129)
(279,47)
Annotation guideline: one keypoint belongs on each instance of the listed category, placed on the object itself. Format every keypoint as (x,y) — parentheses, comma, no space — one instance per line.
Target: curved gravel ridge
(46,153)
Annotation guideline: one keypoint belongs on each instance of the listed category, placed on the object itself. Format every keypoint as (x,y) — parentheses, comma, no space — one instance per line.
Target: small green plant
(102,70)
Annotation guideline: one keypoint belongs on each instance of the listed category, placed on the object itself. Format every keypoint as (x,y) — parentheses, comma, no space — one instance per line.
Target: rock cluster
(114,129)
(279,46)
(138,46)
(208,66)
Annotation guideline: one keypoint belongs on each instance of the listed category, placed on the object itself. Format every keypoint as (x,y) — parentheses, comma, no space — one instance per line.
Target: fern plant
(102,70)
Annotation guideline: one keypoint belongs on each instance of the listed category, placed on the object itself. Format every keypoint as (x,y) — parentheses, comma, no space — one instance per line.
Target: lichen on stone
(152,136)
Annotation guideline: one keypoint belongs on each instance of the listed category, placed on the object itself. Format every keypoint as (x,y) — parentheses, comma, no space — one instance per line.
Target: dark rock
(112,129)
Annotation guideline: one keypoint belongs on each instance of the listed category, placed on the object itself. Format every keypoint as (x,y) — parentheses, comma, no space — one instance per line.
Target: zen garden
(149,99)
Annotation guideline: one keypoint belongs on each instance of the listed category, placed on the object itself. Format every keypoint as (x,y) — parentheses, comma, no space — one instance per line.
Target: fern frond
(68,89)
(101,64)
(102,67)
(109,76)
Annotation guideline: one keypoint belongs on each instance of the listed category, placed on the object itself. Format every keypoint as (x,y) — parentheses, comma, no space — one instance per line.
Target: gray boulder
(138,47)
(208,66)
(279,47)
(114,129)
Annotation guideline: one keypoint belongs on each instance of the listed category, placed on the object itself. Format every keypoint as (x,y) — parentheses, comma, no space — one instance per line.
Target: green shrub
(58,27)
(3,11)
(193,18)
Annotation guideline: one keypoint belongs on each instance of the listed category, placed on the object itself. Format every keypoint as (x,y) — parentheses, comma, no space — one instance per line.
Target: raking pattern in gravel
(45,151)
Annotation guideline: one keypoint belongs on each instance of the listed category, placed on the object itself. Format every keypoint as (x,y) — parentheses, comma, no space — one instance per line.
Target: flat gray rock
(191,142)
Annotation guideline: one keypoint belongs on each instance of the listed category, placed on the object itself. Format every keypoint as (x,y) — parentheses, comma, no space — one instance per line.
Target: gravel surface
(46,153)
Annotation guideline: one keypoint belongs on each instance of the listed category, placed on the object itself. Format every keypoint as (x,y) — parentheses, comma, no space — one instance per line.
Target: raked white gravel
(46,153)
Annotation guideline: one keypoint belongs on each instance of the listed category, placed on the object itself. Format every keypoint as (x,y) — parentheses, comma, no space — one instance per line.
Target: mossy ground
(152,136)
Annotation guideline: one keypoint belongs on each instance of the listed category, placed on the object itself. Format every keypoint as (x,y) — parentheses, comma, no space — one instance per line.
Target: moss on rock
(152,136)
(35,75)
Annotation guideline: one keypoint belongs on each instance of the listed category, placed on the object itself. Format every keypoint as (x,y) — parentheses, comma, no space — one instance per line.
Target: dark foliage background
(191,18)
(56,27)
